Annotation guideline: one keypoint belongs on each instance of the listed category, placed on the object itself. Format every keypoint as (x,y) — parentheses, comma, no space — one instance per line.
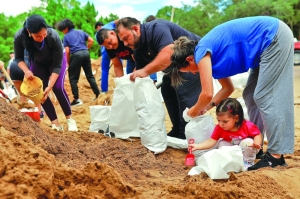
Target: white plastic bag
(123,117)
(177,143)
(200,128)
(151,115)
(218,162)
(10,92)
(99,118)
(239,81)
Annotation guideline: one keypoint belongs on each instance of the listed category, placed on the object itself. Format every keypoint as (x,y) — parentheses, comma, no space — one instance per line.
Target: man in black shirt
(152,43)
(115,50)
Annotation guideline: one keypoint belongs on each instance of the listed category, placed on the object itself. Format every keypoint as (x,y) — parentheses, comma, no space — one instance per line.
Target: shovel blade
(190,160)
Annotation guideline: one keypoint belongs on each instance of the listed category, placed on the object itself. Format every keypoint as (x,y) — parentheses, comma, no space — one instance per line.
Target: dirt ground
(37,162)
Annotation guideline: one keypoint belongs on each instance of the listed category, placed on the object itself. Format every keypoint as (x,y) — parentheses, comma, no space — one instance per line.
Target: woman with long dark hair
(48,62)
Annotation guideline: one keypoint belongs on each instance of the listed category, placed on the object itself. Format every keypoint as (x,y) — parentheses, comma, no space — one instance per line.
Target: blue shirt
(237,45)
(155,35)
(75,40)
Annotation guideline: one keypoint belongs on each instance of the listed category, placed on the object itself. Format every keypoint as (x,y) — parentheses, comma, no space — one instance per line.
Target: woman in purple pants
(48,62)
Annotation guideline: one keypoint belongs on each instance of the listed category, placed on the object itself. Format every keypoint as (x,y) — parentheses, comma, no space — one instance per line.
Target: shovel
(11,83)
(5,96)
(190,158)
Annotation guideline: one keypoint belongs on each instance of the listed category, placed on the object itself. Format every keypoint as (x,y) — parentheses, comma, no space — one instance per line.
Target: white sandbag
(99,118)
(217,163)
(151,115)
(176,143)
(10,92)
(200,128)
(123,117)
(239,81)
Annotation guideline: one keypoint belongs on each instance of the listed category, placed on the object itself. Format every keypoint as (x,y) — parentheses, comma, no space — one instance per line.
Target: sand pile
(37,162)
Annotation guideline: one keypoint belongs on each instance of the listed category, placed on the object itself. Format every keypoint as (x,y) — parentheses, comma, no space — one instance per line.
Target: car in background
(297,53)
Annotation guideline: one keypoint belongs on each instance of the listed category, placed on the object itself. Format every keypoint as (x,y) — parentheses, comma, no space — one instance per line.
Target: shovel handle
(7,76)
(2,93)
(191,141)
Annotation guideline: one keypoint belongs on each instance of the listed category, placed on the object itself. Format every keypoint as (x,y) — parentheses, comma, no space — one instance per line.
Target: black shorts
(16,72)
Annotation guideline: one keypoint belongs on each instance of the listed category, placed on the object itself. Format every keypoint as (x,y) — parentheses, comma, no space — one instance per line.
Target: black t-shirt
(155,35)
(123,52)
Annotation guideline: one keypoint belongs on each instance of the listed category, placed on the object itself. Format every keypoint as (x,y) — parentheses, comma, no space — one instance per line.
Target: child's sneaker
(268,161)
(72,125)
(57,128)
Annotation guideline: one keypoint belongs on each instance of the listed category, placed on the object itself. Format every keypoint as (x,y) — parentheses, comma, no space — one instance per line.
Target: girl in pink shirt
(233,129)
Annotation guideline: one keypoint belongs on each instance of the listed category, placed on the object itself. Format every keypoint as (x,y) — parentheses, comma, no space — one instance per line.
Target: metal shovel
(11,83)
(5,96)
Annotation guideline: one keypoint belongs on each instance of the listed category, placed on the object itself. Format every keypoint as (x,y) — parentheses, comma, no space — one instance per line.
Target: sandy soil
(37,162)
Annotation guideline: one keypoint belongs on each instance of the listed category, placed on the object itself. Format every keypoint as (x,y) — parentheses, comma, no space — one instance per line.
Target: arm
(257,140)
(224,92)
(203,145)
(118,66)
(90,42)
(161,61)
(19,56)
(67,51)
(57,57)
(206,95)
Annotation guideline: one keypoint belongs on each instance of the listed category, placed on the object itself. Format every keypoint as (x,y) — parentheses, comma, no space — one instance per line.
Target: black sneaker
(268,161)
(173,133)
(76,102)
(260,154)
(96,97)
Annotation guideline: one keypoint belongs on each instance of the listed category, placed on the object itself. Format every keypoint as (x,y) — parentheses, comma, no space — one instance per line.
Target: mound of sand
(37,162)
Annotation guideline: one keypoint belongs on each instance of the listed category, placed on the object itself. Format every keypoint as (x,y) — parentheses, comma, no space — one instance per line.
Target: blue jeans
(105,71)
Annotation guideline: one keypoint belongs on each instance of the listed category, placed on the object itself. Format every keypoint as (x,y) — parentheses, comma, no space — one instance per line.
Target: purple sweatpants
(44,74)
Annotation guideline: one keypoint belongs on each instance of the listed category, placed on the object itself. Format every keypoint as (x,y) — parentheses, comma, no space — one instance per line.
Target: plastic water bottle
(249,155)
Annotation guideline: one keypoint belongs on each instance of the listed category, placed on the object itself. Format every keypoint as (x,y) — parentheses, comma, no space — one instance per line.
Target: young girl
(234,130)
(265,46)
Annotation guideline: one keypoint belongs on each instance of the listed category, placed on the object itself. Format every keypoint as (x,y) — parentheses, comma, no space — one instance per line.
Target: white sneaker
(72,125)
(57,128)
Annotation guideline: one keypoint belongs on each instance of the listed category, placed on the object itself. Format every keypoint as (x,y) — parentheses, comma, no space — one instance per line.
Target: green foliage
(209,13)
(83,17)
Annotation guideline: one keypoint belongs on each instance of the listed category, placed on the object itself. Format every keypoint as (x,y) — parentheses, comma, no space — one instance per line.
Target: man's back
(155,35)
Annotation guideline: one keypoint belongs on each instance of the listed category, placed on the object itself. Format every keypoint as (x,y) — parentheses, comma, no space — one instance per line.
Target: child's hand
(254,145)
(193,147)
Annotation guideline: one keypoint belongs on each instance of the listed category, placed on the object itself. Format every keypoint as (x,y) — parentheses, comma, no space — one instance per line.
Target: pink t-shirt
(247,130)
